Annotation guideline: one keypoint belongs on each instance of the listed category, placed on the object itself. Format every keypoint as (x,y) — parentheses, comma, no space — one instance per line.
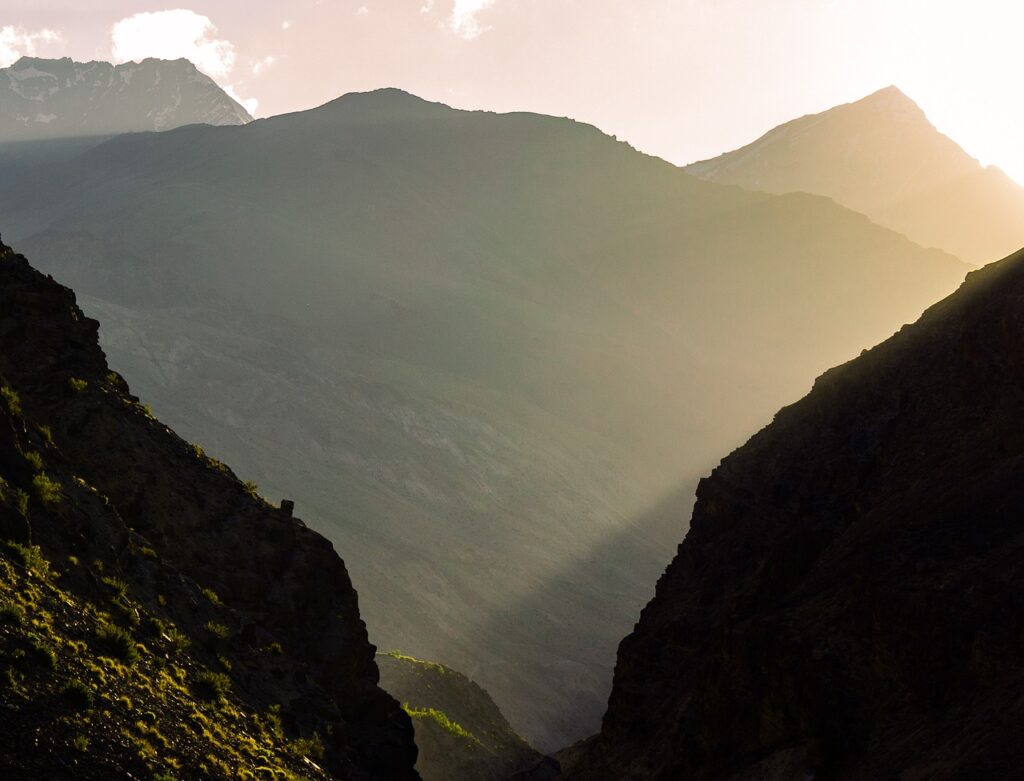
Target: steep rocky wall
(848,603)
(280,582)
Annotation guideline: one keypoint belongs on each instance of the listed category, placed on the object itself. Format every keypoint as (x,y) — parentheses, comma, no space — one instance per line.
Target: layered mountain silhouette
(881,156)
(847,602)
(51,99)
(480,344)
(157,617)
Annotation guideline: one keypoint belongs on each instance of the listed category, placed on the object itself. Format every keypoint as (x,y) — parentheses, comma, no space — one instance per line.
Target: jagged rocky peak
(157,616)
(61,98)
(847,603)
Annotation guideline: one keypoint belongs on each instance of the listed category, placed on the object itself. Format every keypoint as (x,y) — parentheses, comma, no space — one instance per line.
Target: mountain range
(489,355)
(883,157)
(59,99)
(476,345)
(847,601)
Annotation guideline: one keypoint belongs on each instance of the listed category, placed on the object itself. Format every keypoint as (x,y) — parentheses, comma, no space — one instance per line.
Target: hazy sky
(684,79)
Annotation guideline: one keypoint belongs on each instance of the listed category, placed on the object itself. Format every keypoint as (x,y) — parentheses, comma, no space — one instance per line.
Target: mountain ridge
(460,732)
(844,604)
(61,98)
(880,155)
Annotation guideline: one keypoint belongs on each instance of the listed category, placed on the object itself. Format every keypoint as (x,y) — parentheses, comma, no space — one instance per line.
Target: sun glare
(961,63)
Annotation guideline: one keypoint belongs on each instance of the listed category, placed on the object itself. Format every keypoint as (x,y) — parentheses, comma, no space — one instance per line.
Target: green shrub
(44,652)
(22,500)
(47,433)
(307,747)
(117,643)
(78,694)
(12,613)
(81,743)
(47,489)
(273,719)
(10,678)
(78,385)
(178,639)
(211,686)
(147,553)
(211,595)
(219,631)
(10,397)
(119,586)
(31,558)
(34,459)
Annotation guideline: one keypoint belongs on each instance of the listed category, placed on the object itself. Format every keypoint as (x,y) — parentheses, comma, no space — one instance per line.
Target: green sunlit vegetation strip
(441,719)
(422,662)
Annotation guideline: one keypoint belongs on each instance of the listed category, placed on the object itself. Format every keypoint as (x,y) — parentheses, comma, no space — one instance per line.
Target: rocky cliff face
(153,537)
(848,603)
(42,98)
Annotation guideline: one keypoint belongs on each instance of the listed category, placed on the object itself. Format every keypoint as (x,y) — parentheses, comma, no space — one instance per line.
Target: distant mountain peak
(890,99)
(61,98)
(892,92)
(383,102)
(882,156)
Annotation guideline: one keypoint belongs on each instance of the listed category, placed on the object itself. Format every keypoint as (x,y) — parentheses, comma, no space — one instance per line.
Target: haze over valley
(447,383)
(489,408)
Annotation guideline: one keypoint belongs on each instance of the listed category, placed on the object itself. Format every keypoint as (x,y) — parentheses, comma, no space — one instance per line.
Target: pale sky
(682,79)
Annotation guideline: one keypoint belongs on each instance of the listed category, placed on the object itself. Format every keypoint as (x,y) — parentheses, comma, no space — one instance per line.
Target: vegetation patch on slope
(441,719)
(111,679)
(460,732)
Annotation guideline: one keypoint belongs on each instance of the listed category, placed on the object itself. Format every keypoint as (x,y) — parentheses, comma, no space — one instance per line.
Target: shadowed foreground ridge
(847,602)
(251,649)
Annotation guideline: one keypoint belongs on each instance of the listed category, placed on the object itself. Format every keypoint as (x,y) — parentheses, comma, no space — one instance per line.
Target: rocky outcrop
(847,603)
(461,734)
(129,483)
